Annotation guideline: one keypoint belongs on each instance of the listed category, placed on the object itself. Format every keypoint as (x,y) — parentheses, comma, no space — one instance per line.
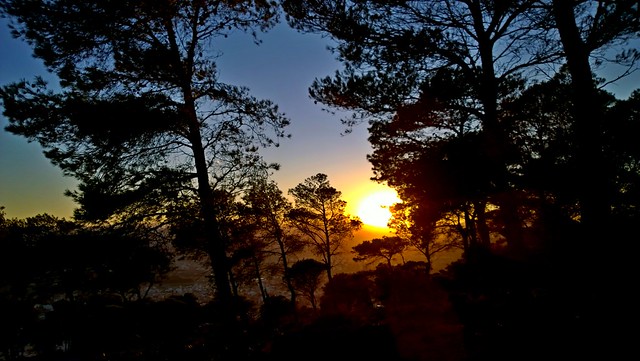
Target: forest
(489,118)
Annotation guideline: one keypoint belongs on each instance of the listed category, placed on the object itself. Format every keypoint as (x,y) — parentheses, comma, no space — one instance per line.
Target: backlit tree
(385,248)
(141,118)
(319,215)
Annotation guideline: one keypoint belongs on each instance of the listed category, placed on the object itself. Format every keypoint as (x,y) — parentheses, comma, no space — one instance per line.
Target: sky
(280,69)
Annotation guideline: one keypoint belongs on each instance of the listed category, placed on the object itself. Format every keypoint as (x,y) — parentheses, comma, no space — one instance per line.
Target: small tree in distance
(269,208)
(380,248)
(319,215)
(419,227)
(305,276)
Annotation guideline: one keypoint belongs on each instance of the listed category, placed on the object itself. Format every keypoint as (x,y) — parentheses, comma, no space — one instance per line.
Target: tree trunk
(215,242)
(234,283)
(216,248)
(263,290)
(495,142)
(483,229)
(327,245)
(592,183)
(285,265)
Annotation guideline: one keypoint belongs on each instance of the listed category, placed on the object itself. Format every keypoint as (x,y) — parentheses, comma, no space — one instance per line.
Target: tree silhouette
(471,133)
(385,248)
(142,120)
(427,233)
(61,281)
(398,48)
(306,277)
(269,209)
(352,296)
(432,62)
(57,259)
(319,215)
(622,150)
(480,150)
(586,31)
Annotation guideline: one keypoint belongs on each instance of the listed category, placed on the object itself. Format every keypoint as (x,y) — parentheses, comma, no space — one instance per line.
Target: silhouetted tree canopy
(489,118)
(432,78)
(306,277)
(141,118)
(385,248)
(268,209)
(319,215)
(45,258)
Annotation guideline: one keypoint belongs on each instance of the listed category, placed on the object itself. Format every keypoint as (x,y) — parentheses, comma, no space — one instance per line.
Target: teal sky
(28,183)
(280,69)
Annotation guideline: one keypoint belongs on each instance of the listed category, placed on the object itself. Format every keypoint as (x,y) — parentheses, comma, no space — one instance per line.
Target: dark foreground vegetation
(69,295)
(489,118)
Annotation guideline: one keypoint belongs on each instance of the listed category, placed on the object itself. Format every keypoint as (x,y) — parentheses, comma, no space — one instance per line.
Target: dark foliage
(473,148)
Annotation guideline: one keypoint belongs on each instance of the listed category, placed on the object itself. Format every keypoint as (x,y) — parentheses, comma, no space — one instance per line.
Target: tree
(352,295)
(319,215)
(142,120)
(438,168)
(623,120)
(385,248)
(33,250)
(589,29)
(52,272)
(47,258)
(540,124)
(546,127)
(425,231)
(305,276)
(246,263)
(269,209)
(393,52)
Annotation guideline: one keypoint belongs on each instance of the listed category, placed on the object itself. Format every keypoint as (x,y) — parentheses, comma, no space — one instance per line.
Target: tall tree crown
(141,103)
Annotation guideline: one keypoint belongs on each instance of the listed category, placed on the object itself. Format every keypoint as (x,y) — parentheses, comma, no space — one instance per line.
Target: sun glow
(373,210)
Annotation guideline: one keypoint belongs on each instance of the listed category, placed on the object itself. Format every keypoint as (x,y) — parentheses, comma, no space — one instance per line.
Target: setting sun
(374,209)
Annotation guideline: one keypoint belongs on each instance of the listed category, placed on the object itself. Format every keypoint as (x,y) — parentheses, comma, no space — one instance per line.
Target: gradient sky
(280,69)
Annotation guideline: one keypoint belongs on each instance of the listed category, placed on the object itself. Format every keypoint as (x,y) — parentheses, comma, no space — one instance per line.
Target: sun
(374,208)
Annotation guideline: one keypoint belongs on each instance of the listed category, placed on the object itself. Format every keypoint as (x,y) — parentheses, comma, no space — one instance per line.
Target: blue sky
(280,69)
